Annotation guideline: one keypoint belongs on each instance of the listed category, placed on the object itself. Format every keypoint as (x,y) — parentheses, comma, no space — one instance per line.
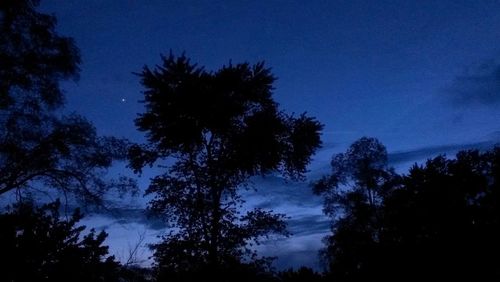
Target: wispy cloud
(137,215)
(477,85)
(419,154)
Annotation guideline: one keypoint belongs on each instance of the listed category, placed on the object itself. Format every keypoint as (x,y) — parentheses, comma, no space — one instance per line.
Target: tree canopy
(361,173)
(212,131)
(43,151)
(353,193)
(439,222)
(33,58)
(37,245)
(40,148)
(443,222)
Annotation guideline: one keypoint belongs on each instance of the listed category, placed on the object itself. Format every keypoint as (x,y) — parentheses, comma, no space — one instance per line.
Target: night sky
(421,76)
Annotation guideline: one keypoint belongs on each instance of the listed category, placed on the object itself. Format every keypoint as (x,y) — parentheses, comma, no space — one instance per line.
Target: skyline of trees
(438,222)
(210,132)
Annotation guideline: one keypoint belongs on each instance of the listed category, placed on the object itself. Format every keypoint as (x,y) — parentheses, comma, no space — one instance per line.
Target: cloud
(478,85)
(422,154)
(136,215)
(295,251)
(309,225)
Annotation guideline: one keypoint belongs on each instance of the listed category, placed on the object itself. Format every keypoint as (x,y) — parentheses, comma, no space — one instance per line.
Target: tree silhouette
(362,169)
(444,222)
(353,194)
(38,146)
(38,246)
(440,222)
(33,57)
(211,132)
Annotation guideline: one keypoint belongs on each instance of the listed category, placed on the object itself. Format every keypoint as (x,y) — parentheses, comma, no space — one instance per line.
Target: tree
(354,192)
(33,57)
(443,222)
(211,132)
(38,246)
(362,169)
(39,148)
(440,222)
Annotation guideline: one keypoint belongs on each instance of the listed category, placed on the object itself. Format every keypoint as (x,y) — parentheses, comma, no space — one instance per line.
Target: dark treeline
(211,132)
(438,222)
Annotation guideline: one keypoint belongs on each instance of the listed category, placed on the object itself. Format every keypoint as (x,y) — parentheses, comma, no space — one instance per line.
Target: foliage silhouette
(363,169)
(43,151)
(38,147)
(443,224)
(33,57)
(438,223)
(211,132)
(353,193)
(38,246)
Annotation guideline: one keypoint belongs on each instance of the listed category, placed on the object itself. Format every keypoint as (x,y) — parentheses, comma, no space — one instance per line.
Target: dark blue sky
(415,74)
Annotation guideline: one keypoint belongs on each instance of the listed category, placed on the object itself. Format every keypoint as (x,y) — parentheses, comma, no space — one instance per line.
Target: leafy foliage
(438,223)
(353,194)
(212,131)
(33,57)
(40,149)
(38,246)
(444,222)
(361,173)
(65,154)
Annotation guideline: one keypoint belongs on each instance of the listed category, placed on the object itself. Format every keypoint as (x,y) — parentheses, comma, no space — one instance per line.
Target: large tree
(211,132)
(39,148)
